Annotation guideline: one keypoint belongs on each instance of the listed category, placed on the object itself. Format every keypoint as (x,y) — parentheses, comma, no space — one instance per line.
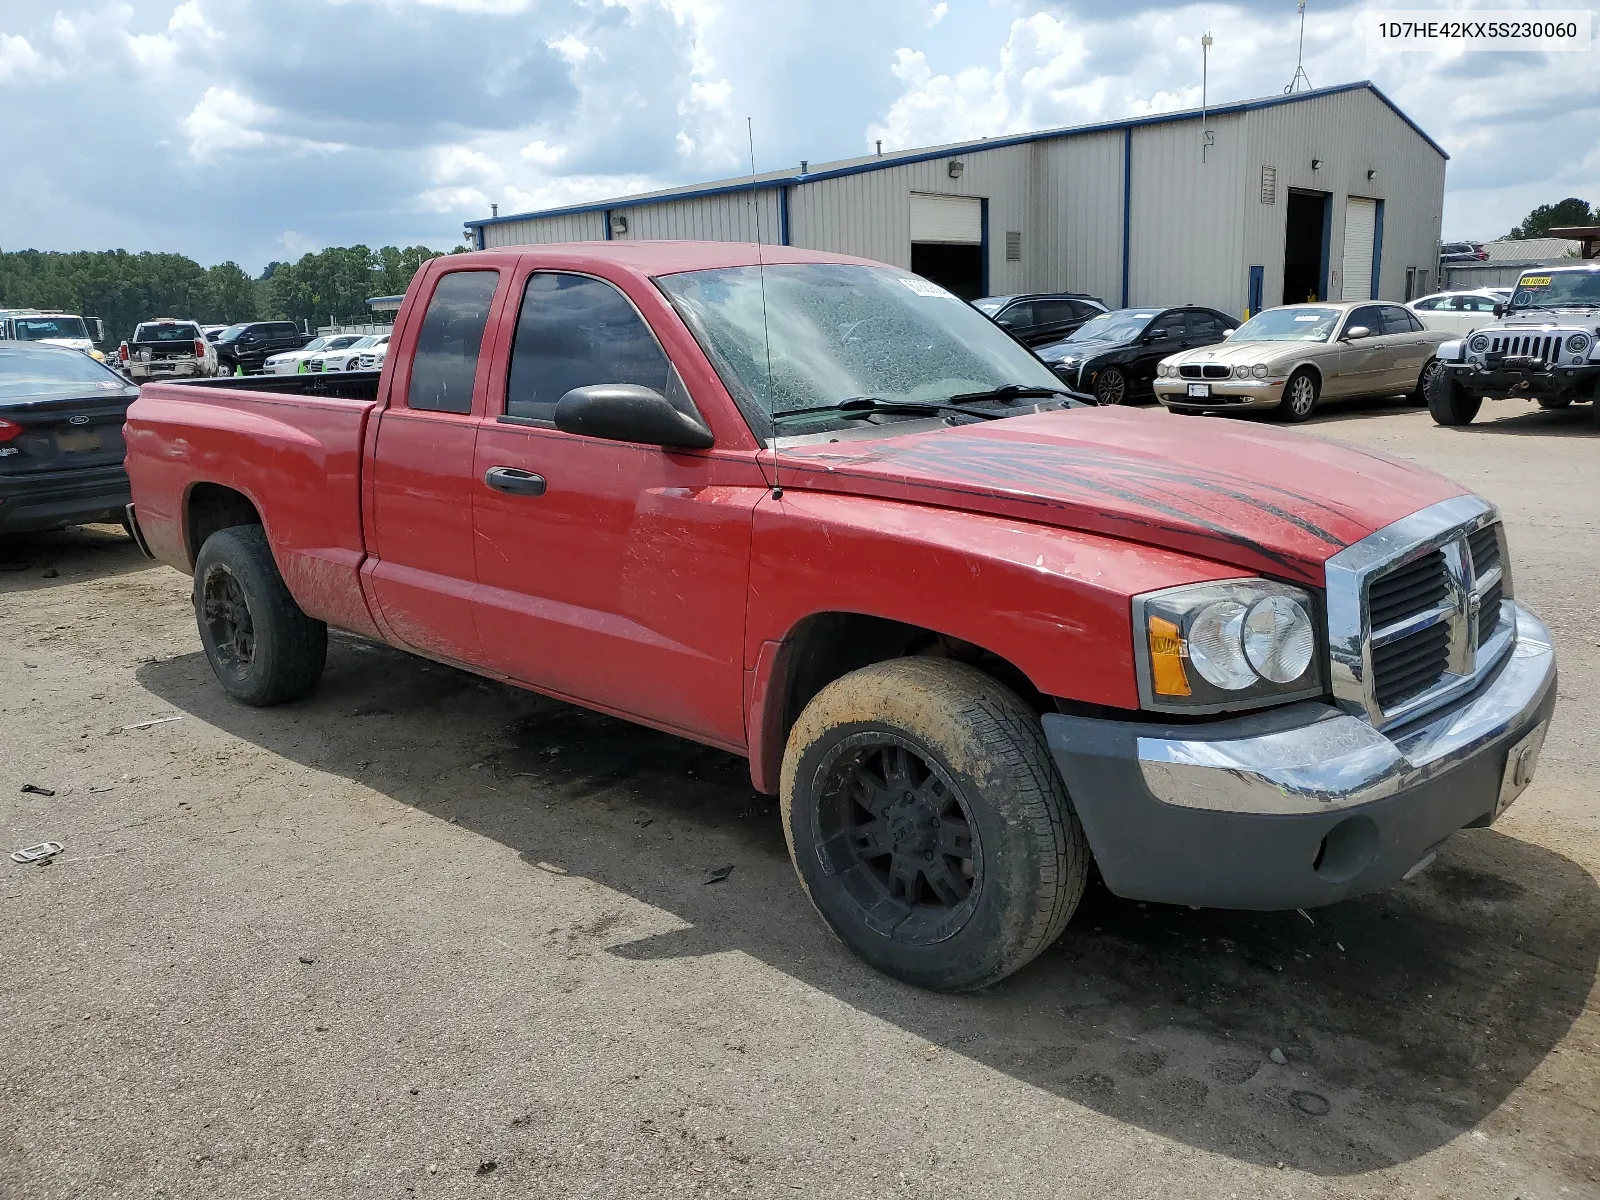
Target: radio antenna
(761,273)
(1300,61)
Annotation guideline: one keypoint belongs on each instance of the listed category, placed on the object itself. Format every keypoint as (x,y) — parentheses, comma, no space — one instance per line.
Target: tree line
(123,289)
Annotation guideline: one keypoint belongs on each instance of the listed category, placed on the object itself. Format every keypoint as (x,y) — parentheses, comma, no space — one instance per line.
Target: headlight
(1578,343)
(1236,645)
(1260,370)
(1478,344)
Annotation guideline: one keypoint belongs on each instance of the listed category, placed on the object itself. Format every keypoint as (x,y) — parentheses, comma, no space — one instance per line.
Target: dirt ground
(423,935)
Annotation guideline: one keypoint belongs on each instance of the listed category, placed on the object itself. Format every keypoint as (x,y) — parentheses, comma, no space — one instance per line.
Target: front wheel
(1299,396)
(1419,394)
(1111,386)
(928,824)
(262,647)
(1449,402)
(1554,401)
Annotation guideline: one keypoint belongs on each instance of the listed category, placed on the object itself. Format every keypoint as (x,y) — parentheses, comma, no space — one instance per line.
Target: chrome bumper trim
(1336,761)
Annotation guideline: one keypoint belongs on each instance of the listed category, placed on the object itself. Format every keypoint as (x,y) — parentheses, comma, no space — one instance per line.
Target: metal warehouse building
(1327,194)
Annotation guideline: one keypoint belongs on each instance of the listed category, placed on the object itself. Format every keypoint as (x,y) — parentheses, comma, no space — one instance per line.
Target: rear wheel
(928,824)
(1111,386)
(1554,401)
(263,648)
(1299,396)
(1449,402)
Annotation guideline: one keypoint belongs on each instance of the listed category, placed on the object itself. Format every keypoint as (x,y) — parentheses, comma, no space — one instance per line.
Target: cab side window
(1172,324)
(446,361)
(1206,325)
(1428,305)
(1398,320)
(574,331)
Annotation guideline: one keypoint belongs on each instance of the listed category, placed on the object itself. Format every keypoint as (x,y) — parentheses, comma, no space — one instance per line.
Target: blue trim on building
(606,217)
(1377,250)
(983,241)
(478,232)
(783,215)
(889,161)
(1258,286)
(1327,245)
(1127,209)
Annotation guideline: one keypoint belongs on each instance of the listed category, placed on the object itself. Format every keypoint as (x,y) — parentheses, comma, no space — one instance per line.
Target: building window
(1269,185)
(1013,245)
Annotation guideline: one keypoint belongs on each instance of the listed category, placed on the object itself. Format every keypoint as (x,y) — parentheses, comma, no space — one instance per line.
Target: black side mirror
(626,412)
(1155,335)
(1499,310)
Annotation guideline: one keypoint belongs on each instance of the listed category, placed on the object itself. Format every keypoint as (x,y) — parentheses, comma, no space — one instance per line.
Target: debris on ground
(148,724)
(307,959)
(717,875)
(486,1166)
(35,790)
(1279,1057)
(41,853)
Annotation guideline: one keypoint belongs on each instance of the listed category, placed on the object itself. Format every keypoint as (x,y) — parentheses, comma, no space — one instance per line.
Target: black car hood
(1080,350)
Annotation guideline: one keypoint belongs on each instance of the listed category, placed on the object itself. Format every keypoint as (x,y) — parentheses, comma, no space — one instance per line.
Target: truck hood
(1259,499)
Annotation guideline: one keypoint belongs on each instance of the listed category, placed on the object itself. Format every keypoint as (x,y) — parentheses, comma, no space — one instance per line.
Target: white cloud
(20,63)
(228,122)
(940,11)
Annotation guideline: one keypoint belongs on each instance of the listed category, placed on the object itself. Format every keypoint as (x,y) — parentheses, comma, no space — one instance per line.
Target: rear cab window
(445,365)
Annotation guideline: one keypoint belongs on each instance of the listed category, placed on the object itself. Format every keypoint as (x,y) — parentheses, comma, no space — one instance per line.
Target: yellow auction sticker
(1535,281)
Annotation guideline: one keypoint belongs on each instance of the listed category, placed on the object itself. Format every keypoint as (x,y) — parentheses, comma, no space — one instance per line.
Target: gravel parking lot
(426,935)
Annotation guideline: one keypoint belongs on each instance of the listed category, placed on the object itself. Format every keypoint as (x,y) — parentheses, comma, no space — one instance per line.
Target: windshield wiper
(1011,391)
(858,407)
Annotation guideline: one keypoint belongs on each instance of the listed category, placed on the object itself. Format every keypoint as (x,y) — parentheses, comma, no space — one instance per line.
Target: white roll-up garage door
(1360,227)
(953,220)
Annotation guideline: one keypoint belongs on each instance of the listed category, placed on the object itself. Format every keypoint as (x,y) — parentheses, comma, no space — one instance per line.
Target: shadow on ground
(31,561)
(1576,420)
(1406,1018)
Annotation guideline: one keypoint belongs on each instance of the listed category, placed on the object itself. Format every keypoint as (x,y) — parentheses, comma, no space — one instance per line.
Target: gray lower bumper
(1300,806)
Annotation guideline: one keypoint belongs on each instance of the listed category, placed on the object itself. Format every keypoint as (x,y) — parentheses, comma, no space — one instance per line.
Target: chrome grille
(1546,347)
(1418,612)
(1204,371)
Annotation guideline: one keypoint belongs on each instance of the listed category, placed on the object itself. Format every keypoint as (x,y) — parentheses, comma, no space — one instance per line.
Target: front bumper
(1303,805)
(1502,380)
(29,503)
(1225,393)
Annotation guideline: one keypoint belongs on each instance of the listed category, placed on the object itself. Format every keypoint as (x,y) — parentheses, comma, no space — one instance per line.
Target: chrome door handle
(514,482)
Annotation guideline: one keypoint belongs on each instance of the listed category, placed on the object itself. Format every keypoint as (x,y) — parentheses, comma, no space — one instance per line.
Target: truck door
(421,573)
(612,573)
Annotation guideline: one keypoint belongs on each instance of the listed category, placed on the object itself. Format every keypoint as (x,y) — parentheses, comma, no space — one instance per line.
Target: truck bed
(341,385)
(290,447)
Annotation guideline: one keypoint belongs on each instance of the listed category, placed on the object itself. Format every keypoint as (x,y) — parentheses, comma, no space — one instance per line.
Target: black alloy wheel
(225,613)
(1111,386)
(1419,394)
(891,824)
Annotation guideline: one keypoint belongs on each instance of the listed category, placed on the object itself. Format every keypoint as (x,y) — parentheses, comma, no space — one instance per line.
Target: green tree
(1541,220)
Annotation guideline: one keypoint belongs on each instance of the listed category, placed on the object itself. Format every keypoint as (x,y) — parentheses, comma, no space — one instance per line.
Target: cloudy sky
(259,129)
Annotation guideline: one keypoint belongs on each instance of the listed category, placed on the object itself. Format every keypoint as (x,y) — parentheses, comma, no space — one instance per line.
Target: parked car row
(1288,358)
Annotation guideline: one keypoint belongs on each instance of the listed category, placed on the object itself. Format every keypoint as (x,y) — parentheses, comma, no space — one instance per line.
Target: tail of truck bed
(295,438)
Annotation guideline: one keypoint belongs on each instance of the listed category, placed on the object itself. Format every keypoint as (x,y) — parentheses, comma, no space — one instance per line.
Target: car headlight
(1215,646)
(1478,344)
(1260,370)
(1578,343)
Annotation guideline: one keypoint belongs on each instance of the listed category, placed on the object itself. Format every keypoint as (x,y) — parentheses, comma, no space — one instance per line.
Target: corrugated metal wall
(537,231)
(870,214)
(1350,133)
(1185,237)
(1196,228)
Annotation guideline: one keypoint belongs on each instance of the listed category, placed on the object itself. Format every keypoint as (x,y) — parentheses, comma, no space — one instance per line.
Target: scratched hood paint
(1250,496)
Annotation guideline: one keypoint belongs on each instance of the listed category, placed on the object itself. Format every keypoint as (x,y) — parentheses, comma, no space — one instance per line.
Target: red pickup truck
(819,512)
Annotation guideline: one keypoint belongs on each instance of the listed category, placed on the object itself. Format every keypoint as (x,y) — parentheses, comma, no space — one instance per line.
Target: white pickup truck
(167,349)
(53,328)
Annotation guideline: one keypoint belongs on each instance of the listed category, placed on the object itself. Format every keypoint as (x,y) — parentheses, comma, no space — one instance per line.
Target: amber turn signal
(1166,659)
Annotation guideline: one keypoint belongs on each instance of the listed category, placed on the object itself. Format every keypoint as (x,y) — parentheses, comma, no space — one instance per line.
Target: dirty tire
(1555,401)
(976,757)
(1449,403)
(1111,386)
(1300,394)
(263,648)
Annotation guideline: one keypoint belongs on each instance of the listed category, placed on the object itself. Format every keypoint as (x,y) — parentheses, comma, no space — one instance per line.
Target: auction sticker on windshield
(923,287)
(1535,281)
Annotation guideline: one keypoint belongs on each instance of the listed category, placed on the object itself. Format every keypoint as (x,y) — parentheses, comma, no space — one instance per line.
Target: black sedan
(1114,356)
(1041,317)
(61,416)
